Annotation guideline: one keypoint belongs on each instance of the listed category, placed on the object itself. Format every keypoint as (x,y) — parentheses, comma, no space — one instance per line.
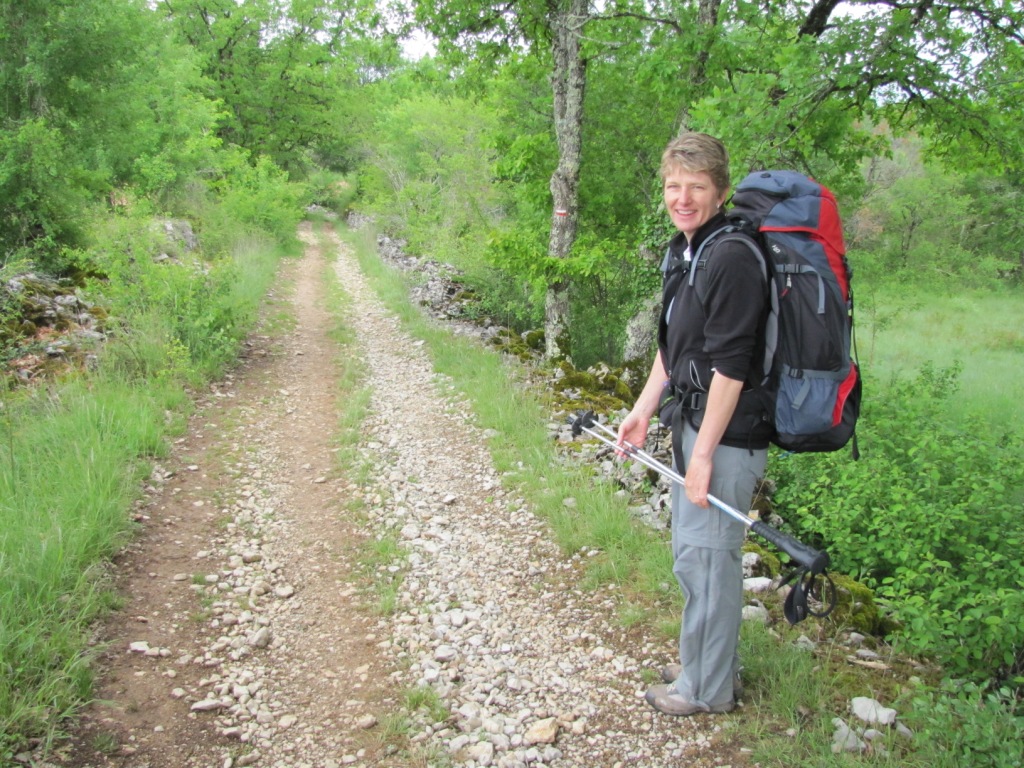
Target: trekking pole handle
(814,560)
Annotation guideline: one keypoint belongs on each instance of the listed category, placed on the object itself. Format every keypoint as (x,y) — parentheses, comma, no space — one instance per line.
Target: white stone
(757,584)
(542,732)
(756,613)
(870,711)
(482,753)
(445,653)
(844,739)
(208,705)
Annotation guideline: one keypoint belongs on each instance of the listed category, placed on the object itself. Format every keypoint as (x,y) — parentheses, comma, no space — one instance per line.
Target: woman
(708,339)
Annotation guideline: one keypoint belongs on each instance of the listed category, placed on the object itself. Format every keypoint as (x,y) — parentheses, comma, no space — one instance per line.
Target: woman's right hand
(633,430)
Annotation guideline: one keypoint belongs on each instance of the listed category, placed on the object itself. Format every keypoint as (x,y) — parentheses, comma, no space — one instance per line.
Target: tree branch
(817,20)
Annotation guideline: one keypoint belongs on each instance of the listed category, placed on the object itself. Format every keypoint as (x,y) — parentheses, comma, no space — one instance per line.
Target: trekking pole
(812,562)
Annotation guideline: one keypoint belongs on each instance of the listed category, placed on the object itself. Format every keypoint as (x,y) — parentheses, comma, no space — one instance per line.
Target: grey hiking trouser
(709,567)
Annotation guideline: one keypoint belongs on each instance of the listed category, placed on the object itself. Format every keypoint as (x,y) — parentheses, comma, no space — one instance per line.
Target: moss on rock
(856,609)
(612,383)
(770,564)
(578,380)
(534,339)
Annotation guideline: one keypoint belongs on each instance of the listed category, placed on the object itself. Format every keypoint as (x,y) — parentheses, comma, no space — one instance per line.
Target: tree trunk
(642,328)
(568,82)
(696,73)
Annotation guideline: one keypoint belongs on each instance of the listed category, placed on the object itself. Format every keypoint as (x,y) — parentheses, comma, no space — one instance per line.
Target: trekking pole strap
(797,607)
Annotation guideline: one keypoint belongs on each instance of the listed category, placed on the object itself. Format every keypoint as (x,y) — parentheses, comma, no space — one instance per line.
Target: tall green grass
(69,470)
(899,329)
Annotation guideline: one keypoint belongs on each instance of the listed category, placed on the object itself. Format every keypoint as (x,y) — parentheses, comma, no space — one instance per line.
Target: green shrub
(260,195)
(330,190)
(929,517)
(965,725)
(43,195)
(200,305)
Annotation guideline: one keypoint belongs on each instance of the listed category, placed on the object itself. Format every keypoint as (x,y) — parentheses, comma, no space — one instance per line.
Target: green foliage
(926,224)
(179,315)
(70,453)
(964,724)
(784,104)
(259,194)
(330,190)
(285,73)
(429,175)
(43,191)
(929,517)
(83,111)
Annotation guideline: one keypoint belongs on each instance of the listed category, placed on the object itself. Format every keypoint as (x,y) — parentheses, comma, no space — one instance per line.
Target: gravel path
(249,639)
(489,616)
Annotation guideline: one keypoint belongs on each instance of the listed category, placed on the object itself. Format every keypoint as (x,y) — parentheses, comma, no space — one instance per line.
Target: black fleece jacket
(716,325)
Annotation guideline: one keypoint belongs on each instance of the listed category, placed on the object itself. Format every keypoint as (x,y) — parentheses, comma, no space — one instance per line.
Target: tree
(85,111)
(285,72)
(551,29)
(797,85)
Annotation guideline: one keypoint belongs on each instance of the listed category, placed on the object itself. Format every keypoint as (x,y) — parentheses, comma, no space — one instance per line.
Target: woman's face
(691,199)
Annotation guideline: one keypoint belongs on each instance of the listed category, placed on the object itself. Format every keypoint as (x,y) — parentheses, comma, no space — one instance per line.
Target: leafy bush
(261,196)
(967,726)
(330,190)
(181,315)
(42,190)
(929,517)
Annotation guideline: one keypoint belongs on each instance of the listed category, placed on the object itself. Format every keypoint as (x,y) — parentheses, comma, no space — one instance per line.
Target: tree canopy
(565,104)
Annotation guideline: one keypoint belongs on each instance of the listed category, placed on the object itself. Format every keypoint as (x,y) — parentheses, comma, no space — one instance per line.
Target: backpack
(811,385)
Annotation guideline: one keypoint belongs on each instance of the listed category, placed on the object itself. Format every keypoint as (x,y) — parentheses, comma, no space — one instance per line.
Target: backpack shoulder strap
(729,233)
(738,234)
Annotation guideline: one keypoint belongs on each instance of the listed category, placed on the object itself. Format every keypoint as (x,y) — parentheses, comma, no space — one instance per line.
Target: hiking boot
(665,699)
(670,673)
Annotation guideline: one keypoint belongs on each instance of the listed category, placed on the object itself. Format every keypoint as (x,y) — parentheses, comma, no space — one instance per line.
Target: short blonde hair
(696,152)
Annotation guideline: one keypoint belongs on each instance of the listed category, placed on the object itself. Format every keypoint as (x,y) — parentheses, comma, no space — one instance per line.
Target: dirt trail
(245,639)
(259,439)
